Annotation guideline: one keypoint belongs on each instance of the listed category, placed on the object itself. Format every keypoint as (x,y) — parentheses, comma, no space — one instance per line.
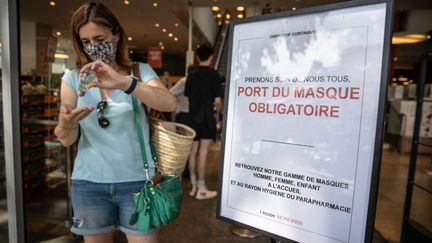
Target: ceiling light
(157,25)
(240,8)
(227,16)
(130,38)
(395,59)
(160,43)
(131,51)
(220,23)
(408,39)
(428,37)
(219,15)
(163,30)
(52,3)
(170,35)
(294,8)
(176,25)
(126,2)
(175,39)
(58,33)
(61,56)
(215,8)
(240,16)
(155,4)
(162,47)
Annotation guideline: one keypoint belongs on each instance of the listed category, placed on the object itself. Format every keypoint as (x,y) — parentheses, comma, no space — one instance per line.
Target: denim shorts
(103,207)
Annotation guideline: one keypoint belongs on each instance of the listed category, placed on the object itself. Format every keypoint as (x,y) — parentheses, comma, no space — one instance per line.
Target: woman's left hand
(107,77)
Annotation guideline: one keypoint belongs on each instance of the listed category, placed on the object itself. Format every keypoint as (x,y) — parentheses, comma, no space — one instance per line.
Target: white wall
(203,17)
(28,46)
(253,10)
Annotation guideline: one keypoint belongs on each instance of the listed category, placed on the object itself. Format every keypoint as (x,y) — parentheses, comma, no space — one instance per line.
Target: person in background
(165,79)
(203,88)
(108,167)
(182,111)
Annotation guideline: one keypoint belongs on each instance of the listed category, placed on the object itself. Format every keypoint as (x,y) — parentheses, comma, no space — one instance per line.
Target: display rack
(43,157)
(412,230)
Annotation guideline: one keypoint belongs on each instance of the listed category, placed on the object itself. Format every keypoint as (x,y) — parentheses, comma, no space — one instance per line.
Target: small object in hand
(86,78)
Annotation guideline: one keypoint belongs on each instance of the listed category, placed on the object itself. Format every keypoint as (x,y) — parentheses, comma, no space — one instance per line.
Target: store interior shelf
(425,144)
(422,187)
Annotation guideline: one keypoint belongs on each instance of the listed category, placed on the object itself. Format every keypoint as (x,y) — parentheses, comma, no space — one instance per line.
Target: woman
(108,167)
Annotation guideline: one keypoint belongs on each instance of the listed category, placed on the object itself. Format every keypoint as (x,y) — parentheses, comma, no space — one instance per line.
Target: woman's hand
(107,77)
(70,116)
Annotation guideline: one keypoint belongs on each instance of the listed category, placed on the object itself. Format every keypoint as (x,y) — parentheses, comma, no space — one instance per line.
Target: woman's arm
(152,93)
(179,87)
(69,116)
(155,95)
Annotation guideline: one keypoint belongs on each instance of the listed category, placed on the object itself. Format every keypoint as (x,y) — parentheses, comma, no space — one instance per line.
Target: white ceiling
(139,17)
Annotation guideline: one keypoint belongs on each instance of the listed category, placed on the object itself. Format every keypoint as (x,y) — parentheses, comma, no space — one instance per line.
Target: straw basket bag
(172,142)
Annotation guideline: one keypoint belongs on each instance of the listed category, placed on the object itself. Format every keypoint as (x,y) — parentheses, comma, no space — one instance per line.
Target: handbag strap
(140,136)
(138,125)
(156,114)
(152,114)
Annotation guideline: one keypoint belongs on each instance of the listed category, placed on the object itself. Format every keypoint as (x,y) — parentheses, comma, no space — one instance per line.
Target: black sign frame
(373,194)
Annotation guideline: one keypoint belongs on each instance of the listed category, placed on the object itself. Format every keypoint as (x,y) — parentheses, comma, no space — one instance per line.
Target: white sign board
(301,123)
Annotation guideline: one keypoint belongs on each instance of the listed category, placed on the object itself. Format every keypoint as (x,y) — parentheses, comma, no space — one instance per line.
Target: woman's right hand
(70,116)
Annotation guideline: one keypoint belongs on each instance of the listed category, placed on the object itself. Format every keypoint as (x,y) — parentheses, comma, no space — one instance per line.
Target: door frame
(11,66)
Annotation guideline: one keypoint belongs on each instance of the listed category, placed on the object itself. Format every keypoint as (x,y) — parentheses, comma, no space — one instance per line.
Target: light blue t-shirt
(111,154)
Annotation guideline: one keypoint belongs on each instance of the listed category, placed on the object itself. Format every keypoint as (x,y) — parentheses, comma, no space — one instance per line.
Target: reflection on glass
(45,190)
(421,212)
(44,159)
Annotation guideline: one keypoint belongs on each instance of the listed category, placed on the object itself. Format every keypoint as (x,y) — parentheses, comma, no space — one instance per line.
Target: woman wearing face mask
(108,167)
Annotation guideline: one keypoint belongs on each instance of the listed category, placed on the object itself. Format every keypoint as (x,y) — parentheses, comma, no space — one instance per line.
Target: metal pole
(9,32)
(190,27)
(190,53)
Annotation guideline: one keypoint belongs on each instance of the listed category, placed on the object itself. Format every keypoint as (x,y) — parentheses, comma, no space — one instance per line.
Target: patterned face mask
(105,51)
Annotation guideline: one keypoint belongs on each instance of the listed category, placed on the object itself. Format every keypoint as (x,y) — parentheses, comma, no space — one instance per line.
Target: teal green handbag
(159,201)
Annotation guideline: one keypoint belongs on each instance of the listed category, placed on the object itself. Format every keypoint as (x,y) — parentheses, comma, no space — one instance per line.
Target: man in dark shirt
(203,88)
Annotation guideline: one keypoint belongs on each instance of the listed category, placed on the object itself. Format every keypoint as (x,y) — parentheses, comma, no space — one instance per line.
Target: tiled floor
(47,215)
(391,195)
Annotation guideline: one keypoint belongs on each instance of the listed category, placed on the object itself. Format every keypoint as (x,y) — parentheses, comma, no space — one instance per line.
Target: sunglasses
(102,120)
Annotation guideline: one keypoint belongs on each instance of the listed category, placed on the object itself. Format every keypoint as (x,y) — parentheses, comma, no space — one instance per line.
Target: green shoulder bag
(159,201)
